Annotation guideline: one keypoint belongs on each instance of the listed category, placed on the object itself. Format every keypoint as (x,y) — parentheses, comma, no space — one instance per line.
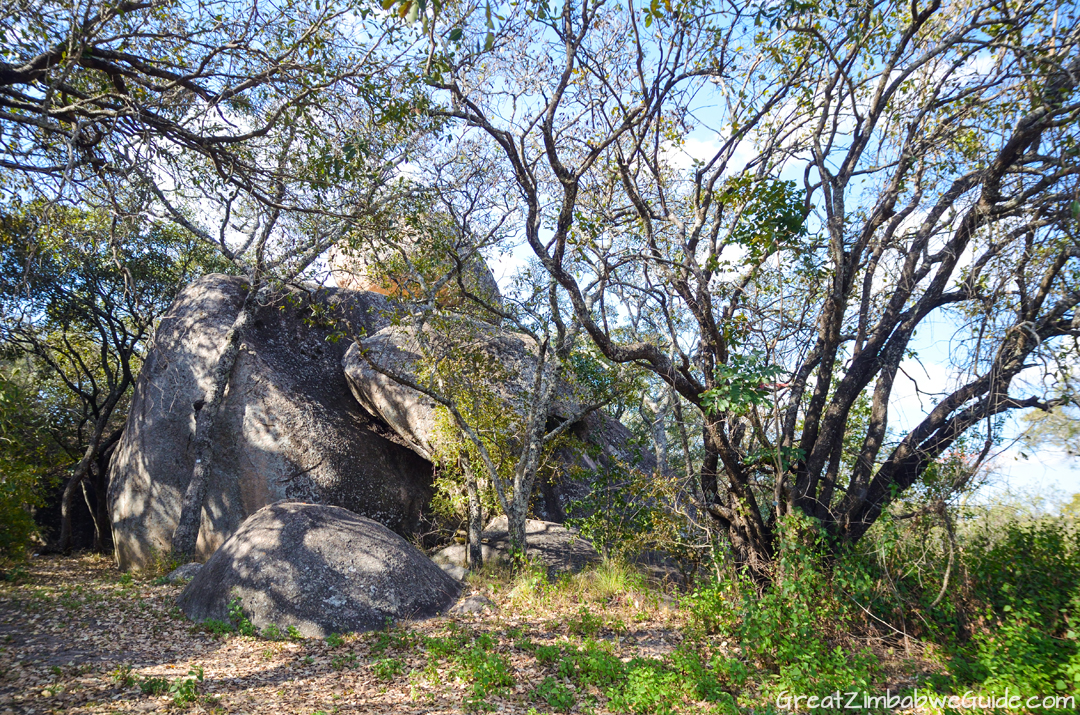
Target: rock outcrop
(185,572)
(559,549)
(288,427)
(511,360)
(320,569)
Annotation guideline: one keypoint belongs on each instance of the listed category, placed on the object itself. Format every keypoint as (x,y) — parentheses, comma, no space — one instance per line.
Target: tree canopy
(759,207)
(867,170)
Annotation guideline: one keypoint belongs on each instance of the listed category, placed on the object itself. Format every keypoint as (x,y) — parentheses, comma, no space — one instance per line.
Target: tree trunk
(516,527)
(517,510)
(654,414)
(99,511)
(93,449)
(185,536)
(67,501)
(474,557)
(92,510)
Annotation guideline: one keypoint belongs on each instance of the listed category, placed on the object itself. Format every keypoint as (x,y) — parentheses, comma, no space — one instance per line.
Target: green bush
(642,685)
(1026,580)
(29,460)
(386,669)
(236,616)
(792,631)
(1005,612)
(154,686)
(186,690)
(216,627)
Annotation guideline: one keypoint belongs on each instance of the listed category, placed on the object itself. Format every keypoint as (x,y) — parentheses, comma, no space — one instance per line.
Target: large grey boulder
(557,548)
(321,569)
(288,427)
(511,361)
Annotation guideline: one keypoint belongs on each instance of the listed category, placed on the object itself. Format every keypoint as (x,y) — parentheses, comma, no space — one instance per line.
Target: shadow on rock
(321,569)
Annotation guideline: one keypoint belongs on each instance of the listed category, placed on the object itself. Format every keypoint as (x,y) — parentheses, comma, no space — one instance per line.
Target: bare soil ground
(77,636)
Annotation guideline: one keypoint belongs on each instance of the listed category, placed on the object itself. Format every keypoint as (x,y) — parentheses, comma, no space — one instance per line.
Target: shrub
(185,690)
(1029,637)
(29,462)
(642,685)
(216,627)
(792,629)
(236,615)
(474,659)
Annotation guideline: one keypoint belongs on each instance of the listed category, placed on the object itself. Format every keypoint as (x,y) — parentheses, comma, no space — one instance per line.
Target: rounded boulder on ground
(558,548)
(321,569)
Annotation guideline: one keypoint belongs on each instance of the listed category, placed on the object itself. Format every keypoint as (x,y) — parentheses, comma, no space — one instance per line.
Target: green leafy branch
(740,384)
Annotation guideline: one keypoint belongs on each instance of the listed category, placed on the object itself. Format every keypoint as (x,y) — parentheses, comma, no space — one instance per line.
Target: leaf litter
(77,636)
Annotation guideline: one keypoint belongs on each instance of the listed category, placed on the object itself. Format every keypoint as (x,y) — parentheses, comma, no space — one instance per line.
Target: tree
(80,299)
(1071,510)
(94,93)
(445,346)
(871,170)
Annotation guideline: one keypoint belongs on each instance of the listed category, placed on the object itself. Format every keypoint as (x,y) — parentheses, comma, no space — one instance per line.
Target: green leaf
(489,41)
(455,34)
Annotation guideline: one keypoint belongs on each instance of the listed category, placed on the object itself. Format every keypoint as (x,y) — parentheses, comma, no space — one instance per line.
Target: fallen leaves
(73,625)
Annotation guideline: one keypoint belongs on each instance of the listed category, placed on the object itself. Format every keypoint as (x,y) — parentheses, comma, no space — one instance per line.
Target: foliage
(557,695)
(468,375)
(28,461)
(185,690)
(616,516)
(1057,429)
(641,685)
(387,668)
(182,690)
(1026,610)
(1008,623)
(80,296)
(740,384)
(204,93)
(217,627)
(629,512)
(462,361)
(474,659)
(820,226)
(340,662)
(1071,510)
(793,628)
(236,616)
